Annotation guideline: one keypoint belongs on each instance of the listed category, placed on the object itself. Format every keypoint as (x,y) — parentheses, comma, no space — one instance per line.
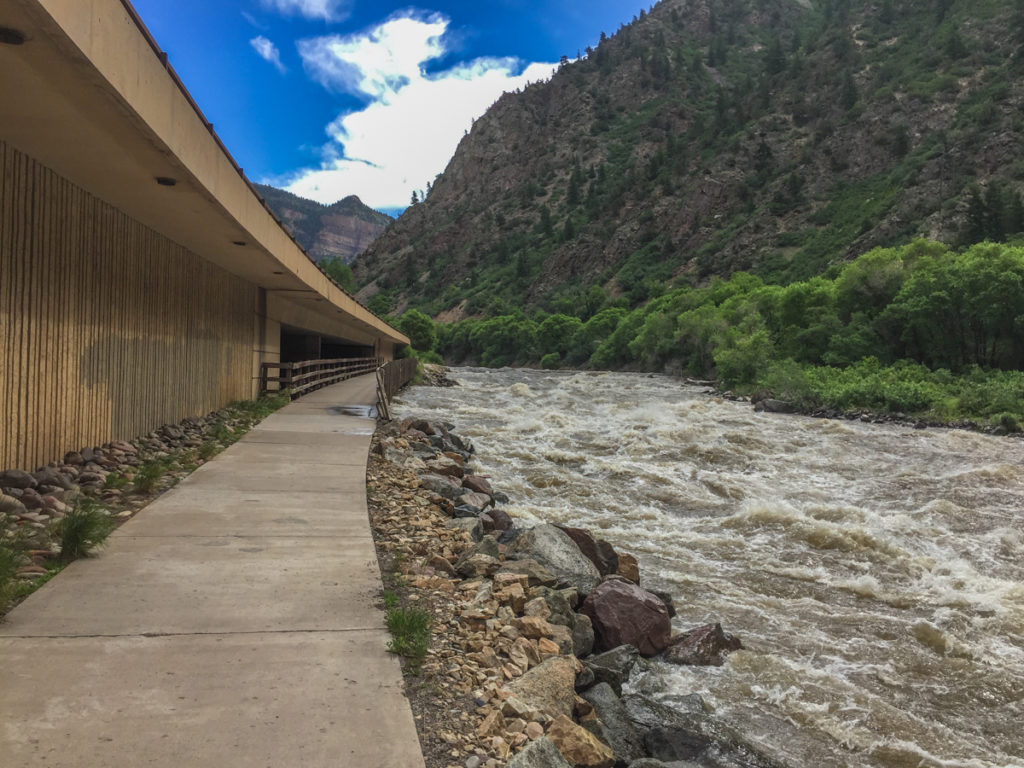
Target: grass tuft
(9,559)
(410,634)
(83,530)
(148,475)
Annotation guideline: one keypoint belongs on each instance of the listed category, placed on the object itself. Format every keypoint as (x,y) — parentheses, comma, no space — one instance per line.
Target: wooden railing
(391,377)
(309,375)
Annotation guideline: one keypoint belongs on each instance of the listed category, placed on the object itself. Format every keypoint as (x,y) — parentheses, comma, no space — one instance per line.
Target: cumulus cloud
(412,121)
(328,10)
(267,50)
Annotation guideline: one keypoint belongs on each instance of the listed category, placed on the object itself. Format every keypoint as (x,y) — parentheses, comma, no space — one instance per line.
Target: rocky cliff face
(342,230)
(710,136)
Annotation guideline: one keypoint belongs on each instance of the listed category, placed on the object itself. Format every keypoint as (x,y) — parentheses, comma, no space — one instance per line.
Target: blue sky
(335,97)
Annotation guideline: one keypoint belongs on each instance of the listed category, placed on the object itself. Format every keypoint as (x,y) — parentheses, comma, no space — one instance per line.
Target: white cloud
(328,10)
(267,50)
(413,121)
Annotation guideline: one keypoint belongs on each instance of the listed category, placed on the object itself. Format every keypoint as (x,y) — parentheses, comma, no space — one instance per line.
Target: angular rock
(441,485)
(770,405)
(440,564)
(552,548)
(578,745)
(31,500)
(478,484)
(682,729)
(704,646)
(479,500)
(477,565)
(614,667)
(624,613)
(443,465)
(536,573)
(495,522)
(548,688)
(666,598)
(629,568)
(582,635)
(403,459)
(598,551)
(10,505)
(585,679)
(541,753)
(16,478)
(502,521)
(559,611)
(613,726)
(675,744)
(470,525)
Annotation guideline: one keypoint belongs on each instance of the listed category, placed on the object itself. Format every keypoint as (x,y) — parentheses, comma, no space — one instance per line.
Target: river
(874,573)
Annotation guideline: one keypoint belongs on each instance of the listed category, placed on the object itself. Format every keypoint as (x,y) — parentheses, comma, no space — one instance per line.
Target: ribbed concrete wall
(107,329)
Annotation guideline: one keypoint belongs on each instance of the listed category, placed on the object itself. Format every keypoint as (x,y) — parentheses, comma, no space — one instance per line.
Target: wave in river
(873,572)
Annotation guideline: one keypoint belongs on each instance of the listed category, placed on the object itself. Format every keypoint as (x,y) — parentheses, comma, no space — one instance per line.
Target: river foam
(873,572)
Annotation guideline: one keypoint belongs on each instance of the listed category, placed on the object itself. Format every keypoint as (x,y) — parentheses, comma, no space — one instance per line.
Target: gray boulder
(613,726)
(541,753)
(470,525)
(536,573)
(552,548)
(16,478)
(770,405)
(582,635)
(442,486)
(614,667)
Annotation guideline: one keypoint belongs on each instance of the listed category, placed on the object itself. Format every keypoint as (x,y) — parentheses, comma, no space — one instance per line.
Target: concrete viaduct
(142,278)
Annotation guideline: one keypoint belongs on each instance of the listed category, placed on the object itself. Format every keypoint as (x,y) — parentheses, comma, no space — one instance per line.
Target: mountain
(342,230)
(711,136)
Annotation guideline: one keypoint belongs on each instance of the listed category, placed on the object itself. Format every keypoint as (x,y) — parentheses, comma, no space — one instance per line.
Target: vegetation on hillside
(709,137)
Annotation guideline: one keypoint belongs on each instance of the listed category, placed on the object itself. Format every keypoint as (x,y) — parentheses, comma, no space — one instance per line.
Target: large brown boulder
(624,613)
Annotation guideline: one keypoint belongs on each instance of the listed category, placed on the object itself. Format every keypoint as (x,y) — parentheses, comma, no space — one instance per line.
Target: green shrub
(115,480)
(9,560)
(148,475)
(83,530)
(410,634)
(551,361)
(208,450)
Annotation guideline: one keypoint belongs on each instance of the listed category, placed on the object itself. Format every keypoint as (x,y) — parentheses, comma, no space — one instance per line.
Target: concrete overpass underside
(142,279)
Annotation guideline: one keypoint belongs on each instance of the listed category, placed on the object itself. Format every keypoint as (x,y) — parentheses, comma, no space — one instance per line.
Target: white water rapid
(875,574)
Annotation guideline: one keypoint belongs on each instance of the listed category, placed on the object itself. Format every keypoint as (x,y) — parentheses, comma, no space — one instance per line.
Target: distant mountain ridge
(710,136)
(342,230)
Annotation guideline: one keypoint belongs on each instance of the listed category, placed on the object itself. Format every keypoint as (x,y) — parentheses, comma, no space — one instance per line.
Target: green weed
(148,475)
(410,635)
(83,530)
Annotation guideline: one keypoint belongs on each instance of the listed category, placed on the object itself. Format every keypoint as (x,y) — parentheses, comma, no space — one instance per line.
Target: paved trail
(230,623)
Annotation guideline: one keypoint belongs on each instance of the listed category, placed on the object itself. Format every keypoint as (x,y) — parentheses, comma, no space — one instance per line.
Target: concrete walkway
(230,623)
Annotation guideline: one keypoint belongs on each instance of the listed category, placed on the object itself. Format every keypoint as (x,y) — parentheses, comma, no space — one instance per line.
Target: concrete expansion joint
(157,635)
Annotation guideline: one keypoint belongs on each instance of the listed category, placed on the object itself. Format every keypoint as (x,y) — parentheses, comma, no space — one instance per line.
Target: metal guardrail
(309,375)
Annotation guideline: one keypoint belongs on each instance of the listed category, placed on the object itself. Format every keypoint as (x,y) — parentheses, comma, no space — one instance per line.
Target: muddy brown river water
(874,573)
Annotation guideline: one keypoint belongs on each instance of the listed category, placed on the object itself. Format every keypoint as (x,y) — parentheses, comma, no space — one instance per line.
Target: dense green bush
(915,329)
(420,330)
